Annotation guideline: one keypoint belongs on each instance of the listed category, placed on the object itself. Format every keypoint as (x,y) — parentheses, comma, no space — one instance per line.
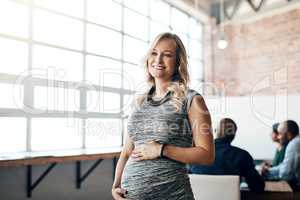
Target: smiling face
(162,60)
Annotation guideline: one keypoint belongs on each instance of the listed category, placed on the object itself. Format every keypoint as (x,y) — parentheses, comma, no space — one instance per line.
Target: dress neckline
(162,100)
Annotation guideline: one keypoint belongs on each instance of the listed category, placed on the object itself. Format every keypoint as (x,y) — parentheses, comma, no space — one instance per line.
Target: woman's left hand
(148,151)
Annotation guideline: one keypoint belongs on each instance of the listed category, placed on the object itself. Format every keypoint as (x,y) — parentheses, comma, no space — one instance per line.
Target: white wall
(254,117)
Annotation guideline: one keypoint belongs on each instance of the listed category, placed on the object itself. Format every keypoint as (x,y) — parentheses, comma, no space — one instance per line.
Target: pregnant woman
(169,127)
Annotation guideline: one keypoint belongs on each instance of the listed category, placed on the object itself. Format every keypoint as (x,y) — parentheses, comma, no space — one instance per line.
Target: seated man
(231,160)
(289,169)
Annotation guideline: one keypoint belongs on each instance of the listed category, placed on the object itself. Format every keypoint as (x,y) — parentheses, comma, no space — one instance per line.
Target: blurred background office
(70,68)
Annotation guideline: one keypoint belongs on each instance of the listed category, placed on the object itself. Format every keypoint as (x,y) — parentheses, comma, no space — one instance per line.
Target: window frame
(82,86)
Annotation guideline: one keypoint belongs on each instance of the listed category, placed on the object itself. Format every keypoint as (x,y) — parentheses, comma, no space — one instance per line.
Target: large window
(69,68)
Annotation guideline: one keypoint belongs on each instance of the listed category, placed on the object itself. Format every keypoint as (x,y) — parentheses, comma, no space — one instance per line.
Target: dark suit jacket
(231,160)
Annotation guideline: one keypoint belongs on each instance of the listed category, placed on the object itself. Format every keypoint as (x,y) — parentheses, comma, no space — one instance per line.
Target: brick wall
(263,56)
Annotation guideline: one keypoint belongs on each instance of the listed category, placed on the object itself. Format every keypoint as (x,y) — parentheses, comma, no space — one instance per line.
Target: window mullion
(28,85)
(122,74)
(83,90)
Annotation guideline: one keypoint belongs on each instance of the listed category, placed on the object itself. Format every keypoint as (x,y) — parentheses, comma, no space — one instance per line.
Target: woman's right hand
(118,193)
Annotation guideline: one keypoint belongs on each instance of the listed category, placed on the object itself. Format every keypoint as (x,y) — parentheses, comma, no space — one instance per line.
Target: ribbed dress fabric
(162,178)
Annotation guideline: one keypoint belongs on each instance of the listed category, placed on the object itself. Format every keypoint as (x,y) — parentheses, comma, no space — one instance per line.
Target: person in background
(280,149)
(231,160)
(289,169)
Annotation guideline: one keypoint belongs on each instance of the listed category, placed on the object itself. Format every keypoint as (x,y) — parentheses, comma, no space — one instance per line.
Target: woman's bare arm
(117,191)
(203,151)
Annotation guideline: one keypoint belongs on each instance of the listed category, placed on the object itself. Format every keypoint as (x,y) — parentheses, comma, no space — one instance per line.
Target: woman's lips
(159,67)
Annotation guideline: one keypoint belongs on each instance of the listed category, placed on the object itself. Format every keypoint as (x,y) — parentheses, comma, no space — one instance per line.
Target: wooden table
(48,157)
(279,190)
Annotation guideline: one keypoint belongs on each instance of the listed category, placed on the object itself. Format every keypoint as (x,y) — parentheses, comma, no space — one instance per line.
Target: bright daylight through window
(68,73)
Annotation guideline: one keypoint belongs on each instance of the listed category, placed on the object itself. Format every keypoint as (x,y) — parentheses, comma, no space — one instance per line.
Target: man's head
(287,131)
(226,129)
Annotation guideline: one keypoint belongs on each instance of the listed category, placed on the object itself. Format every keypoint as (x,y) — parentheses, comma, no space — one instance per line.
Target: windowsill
(46,157)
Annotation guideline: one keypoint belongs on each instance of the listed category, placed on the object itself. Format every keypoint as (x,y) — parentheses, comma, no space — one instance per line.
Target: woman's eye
(154,53)
(168,55)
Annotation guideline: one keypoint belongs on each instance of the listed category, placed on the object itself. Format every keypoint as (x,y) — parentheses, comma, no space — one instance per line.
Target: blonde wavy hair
(180,79)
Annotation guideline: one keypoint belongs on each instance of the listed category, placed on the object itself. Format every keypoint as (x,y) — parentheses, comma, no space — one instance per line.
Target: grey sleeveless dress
(162,178)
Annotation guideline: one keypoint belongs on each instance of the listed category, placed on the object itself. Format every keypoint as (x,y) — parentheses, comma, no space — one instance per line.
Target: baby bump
(153,178)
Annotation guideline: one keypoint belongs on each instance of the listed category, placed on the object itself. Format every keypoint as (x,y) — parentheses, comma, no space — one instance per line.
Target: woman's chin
(157,75)
(161,76)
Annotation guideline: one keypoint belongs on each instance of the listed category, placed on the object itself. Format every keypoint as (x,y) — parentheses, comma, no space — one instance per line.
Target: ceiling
(236,9)
(210,7)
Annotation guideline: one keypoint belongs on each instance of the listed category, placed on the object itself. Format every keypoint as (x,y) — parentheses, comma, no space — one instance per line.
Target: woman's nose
(158,58)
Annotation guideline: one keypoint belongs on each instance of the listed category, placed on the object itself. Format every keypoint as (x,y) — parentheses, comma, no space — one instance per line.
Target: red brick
(257,50)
